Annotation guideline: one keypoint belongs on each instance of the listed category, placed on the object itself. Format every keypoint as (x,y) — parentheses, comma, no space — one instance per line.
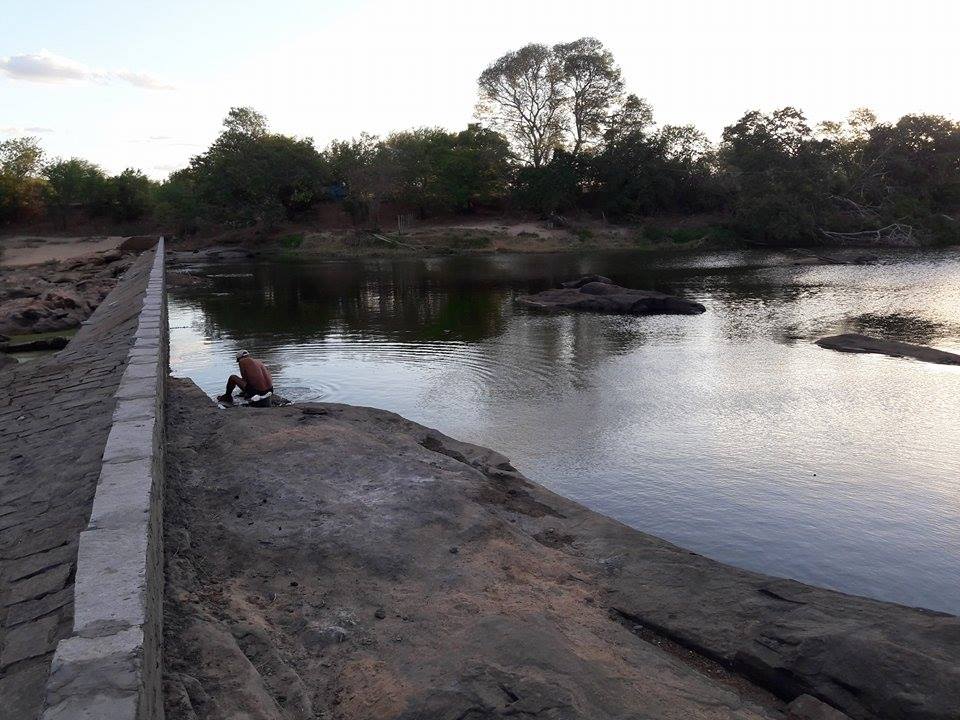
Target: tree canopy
(559,131)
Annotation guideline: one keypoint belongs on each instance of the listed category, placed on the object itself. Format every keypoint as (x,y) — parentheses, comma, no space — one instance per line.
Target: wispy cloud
(46,67)
(140,80)
(29,130)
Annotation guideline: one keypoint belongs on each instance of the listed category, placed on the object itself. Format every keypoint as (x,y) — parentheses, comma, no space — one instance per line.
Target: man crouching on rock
(254,380)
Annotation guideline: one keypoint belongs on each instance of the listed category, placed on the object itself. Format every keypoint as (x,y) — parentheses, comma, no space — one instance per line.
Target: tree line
(557,133)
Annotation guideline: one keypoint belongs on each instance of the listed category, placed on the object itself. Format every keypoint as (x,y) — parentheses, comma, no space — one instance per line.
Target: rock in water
(856,343)
(580,282)
(605,297)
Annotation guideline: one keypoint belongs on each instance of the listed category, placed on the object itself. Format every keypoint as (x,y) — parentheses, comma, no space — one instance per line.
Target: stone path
(55,415)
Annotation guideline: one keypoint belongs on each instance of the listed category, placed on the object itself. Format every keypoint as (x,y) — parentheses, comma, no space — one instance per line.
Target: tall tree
(21,191)
(250,175)
(522,95)
(633,116)
(593,86)
(74,183)
(245,121)
(21,157)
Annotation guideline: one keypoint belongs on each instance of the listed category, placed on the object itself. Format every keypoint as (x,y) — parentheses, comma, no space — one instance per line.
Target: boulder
(604,297)
(856,343)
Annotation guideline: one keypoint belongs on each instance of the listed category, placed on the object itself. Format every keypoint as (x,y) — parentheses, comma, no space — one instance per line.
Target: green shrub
(292,241)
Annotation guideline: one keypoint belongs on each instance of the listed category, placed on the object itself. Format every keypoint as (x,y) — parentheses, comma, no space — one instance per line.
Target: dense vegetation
(557,134)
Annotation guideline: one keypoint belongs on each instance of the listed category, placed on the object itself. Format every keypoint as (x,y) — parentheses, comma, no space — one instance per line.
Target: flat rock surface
(340,562)
(600,295)
(856,343)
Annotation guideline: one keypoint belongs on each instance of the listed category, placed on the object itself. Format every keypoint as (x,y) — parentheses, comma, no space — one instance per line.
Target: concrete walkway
(55,415)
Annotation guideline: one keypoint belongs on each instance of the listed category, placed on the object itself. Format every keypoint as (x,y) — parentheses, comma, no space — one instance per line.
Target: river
(729,433)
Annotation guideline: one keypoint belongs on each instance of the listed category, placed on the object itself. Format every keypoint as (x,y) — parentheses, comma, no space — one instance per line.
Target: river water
(729,433)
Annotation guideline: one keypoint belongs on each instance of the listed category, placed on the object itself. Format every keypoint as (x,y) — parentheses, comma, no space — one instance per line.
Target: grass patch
(467,241)
(292,241)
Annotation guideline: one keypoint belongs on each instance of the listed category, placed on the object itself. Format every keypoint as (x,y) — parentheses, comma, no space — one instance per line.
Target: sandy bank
(333,561)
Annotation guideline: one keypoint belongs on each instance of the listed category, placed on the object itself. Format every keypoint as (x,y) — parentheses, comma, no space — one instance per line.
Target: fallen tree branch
(896,234)
(867,211)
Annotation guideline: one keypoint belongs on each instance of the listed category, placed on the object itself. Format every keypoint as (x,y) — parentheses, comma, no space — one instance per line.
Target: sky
(146,85)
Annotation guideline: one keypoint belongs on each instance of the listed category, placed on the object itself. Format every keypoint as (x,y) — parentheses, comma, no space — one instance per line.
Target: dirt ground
(329,561)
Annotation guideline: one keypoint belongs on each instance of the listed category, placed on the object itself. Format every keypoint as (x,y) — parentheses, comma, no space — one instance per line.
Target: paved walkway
(55,415)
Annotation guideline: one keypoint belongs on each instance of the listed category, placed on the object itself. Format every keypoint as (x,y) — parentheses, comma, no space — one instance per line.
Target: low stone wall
(110,667)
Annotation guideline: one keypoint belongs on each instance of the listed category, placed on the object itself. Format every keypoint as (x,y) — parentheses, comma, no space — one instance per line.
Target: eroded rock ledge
(595,293)
(338,561)
(856,343)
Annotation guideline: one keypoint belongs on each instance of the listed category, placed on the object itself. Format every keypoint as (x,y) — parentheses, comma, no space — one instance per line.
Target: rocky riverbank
(56,295)
(332,561)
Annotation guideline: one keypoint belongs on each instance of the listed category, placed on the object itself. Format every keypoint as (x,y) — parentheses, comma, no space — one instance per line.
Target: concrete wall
(110,667)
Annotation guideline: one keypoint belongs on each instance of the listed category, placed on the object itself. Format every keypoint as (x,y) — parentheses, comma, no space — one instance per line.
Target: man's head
(242,354)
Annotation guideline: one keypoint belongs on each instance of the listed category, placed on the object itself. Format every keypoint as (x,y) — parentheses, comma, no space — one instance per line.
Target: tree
(356,165)
(780,176)
(477,170)
(633,116)
(129,195)
(21,157)
(245,121)
(521,95)
(593,85)
(249,175)
(551,188)
(179,203)
(438,170)
(21,190)
(911,170)
(74,183)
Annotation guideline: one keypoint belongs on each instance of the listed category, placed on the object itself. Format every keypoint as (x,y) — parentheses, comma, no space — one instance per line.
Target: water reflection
(729,433)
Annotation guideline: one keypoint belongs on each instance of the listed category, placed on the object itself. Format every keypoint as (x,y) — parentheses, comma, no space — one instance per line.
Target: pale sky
(124,83)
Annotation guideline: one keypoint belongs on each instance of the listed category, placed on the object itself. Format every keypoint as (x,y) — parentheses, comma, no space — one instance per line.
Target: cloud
(140,80)
(29,130)
(45,67)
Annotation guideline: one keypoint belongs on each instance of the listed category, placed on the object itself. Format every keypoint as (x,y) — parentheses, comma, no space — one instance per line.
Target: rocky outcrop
(331,556)
(57,296)
(598,294)
(856,343)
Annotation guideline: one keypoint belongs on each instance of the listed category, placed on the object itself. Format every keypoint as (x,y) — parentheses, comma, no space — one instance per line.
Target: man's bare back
(254,378)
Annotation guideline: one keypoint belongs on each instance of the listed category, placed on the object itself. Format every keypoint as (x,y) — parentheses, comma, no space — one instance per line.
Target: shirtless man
(254,378)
